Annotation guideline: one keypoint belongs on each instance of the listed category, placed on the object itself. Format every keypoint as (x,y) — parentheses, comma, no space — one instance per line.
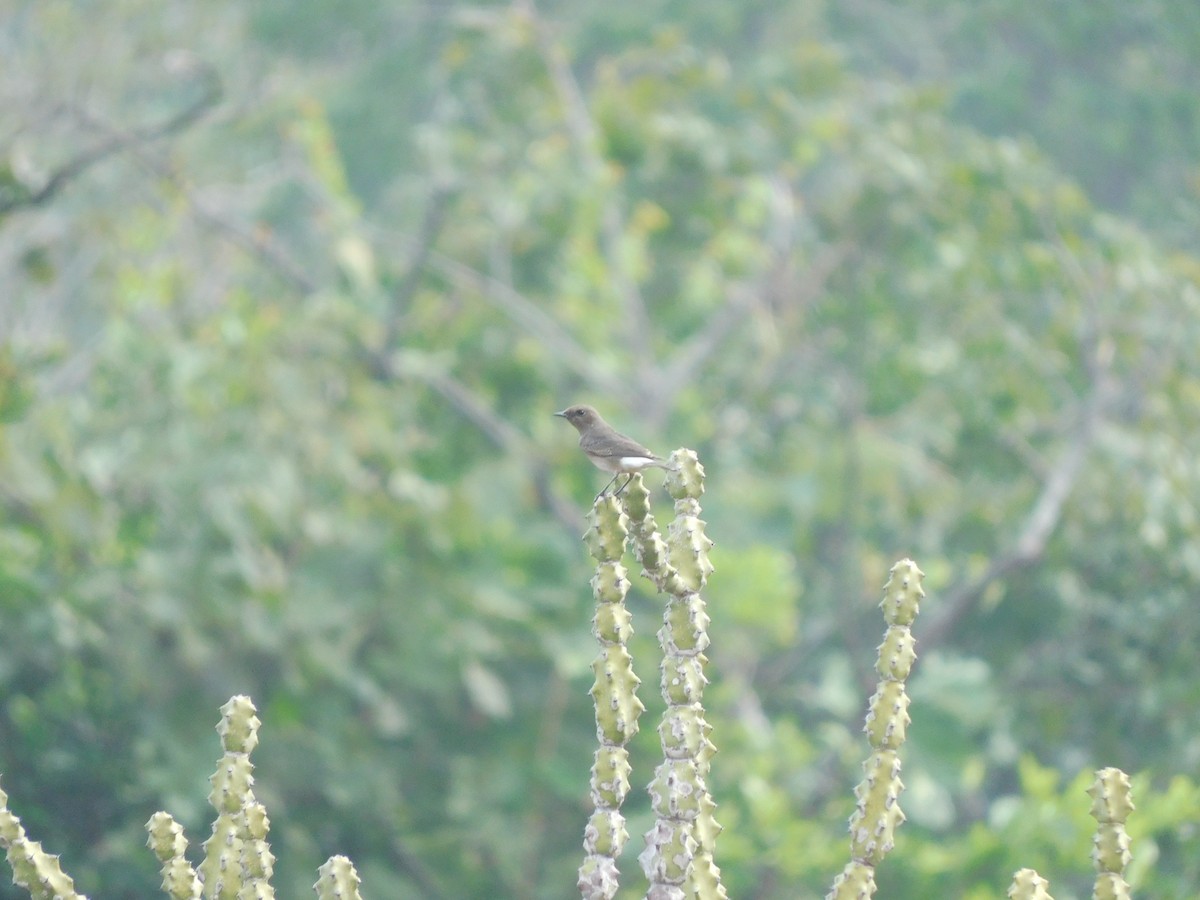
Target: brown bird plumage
(608,449)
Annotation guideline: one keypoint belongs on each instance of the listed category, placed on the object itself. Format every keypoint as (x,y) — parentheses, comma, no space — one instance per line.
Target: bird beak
(562,414)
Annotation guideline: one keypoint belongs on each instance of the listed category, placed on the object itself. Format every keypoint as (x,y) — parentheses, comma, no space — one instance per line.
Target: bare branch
(494,428)
(418,259)
(256,242)
(528,316)
(1031,540)
(506,438)
(117,143)
(586,136)
(692,355)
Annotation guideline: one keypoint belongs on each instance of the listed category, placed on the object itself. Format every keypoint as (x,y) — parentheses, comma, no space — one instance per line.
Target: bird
(608,449)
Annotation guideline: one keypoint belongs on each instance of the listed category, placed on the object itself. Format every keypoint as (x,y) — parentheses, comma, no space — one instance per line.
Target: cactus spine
(877,813)
(617,705)
(678,859)
(1112,802)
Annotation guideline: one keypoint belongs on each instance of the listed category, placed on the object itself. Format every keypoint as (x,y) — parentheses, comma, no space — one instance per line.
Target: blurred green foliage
(275,399)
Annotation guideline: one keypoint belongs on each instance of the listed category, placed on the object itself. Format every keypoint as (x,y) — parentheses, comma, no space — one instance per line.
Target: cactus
(877,813)
(180,880)
(337,880)
(238,862)
(1029,885)
(617,705)
(39,872)
(232,854)
(679,855)
(33,868)
(1112,802)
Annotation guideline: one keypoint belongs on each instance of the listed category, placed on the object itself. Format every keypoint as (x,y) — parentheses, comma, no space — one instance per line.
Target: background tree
(279,353)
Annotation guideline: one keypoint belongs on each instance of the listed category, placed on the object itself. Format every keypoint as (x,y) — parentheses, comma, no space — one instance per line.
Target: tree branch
(1031,540)
(1046,512)
(527,315)
(117,143)
(418,258)
(254,241)
(584,133)
(506,438)
(257,242)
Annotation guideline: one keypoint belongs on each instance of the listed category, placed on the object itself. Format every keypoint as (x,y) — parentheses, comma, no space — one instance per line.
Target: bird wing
(614,445)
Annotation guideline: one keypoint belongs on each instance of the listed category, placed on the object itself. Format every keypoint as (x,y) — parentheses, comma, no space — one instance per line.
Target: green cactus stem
(33,868)
(10,826)
(679,855)
(258,863)
(39,872)
(618,708)
(169,844)
(237,859)
(238,863)
(1112,802)
(1029,885)
(337,880)
(877,813)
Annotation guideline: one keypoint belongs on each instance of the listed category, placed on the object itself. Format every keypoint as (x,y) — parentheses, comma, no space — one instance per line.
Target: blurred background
(290,292)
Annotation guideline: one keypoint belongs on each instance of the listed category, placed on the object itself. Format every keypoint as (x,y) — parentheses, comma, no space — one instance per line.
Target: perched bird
(608,449)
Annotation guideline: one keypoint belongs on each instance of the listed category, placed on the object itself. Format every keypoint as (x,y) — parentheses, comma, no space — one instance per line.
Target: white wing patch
(637,463)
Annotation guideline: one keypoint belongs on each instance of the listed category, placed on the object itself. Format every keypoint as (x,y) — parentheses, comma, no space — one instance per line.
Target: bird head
(580,416)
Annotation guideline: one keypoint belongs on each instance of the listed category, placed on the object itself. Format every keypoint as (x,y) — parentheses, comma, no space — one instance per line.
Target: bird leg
(607,486)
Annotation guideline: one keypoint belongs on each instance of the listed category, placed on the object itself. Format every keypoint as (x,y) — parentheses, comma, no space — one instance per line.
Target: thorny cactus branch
(238,862)
(617,703)
(877,814)
(1027,884)
(337,880)
(679,855)
(167,840)
(236,856)
(33,868)
(1112,802)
